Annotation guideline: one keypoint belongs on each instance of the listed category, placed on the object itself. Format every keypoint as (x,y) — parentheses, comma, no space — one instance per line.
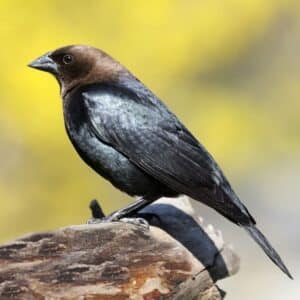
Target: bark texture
(177,257)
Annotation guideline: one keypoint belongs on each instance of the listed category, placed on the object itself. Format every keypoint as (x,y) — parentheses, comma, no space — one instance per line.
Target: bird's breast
(100,156)
(104,159)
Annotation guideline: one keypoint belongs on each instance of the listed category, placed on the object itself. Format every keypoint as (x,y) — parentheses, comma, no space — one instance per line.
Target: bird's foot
(118,216)
(136,221)
(95,221)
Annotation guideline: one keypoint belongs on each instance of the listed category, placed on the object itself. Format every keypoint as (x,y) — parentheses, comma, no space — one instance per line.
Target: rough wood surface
(180,260)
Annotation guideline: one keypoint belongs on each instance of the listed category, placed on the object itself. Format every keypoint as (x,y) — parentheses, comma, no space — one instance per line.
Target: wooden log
(177,257)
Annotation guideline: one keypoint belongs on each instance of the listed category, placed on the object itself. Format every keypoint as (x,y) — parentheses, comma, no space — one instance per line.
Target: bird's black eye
(67,59)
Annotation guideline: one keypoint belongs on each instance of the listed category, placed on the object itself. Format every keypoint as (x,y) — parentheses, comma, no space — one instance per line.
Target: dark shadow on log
(186,230)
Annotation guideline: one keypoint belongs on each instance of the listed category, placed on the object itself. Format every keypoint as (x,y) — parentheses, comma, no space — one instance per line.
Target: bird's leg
(128,211)
(125,214)
(128,214)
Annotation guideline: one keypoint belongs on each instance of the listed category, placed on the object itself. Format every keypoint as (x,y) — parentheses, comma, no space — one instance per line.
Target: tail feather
(266,246)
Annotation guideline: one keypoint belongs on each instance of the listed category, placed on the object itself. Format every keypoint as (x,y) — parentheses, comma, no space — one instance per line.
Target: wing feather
(152,138)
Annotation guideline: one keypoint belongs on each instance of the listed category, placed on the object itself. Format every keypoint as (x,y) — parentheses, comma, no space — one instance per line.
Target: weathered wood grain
(179,258)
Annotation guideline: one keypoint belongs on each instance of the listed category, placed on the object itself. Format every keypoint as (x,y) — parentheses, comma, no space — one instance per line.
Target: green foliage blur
(226,68)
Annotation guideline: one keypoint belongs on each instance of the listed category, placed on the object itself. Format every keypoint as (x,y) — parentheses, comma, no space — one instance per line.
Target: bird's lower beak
(44,63)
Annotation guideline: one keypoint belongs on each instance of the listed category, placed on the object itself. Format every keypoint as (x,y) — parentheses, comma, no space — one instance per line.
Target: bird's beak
(45,63)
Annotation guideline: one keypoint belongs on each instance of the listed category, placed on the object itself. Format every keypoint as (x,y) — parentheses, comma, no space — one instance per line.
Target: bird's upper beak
(45,63)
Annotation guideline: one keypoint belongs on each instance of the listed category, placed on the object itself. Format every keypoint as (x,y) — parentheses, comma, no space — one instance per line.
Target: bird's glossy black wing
(153,139)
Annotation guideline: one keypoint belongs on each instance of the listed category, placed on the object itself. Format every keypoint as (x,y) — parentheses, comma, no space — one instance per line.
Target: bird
(126,134)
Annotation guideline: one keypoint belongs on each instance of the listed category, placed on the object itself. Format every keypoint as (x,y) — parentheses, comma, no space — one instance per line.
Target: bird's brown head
(78,65)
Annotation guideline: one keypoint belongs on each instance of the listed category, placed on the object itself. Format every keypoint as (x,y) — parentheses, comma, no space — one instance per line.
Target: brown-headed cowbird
(128,136)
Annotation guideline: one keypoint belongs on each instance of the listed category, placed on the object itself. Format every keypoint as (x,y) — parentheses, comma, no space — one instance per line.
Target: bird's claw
(98,216)
(95,221)
(136,221)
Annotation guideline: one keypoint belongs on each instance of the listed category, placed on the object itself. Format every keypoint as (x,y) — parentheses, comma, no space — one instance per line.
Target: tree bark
(177,257)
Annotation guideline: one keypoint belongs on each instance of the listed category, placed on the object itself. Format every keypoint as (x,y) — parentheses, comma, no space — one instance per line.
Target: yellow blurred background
(229,69)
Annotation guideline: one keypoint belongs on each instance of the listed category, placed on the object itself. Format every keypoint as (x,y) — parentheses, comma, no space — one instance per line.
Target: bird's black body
(143,149)
(103,157)
(128,136)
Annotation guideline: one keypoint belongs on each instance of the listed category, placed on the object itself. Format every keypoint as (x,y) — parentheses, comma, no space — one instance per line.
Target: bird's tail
(266,246)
